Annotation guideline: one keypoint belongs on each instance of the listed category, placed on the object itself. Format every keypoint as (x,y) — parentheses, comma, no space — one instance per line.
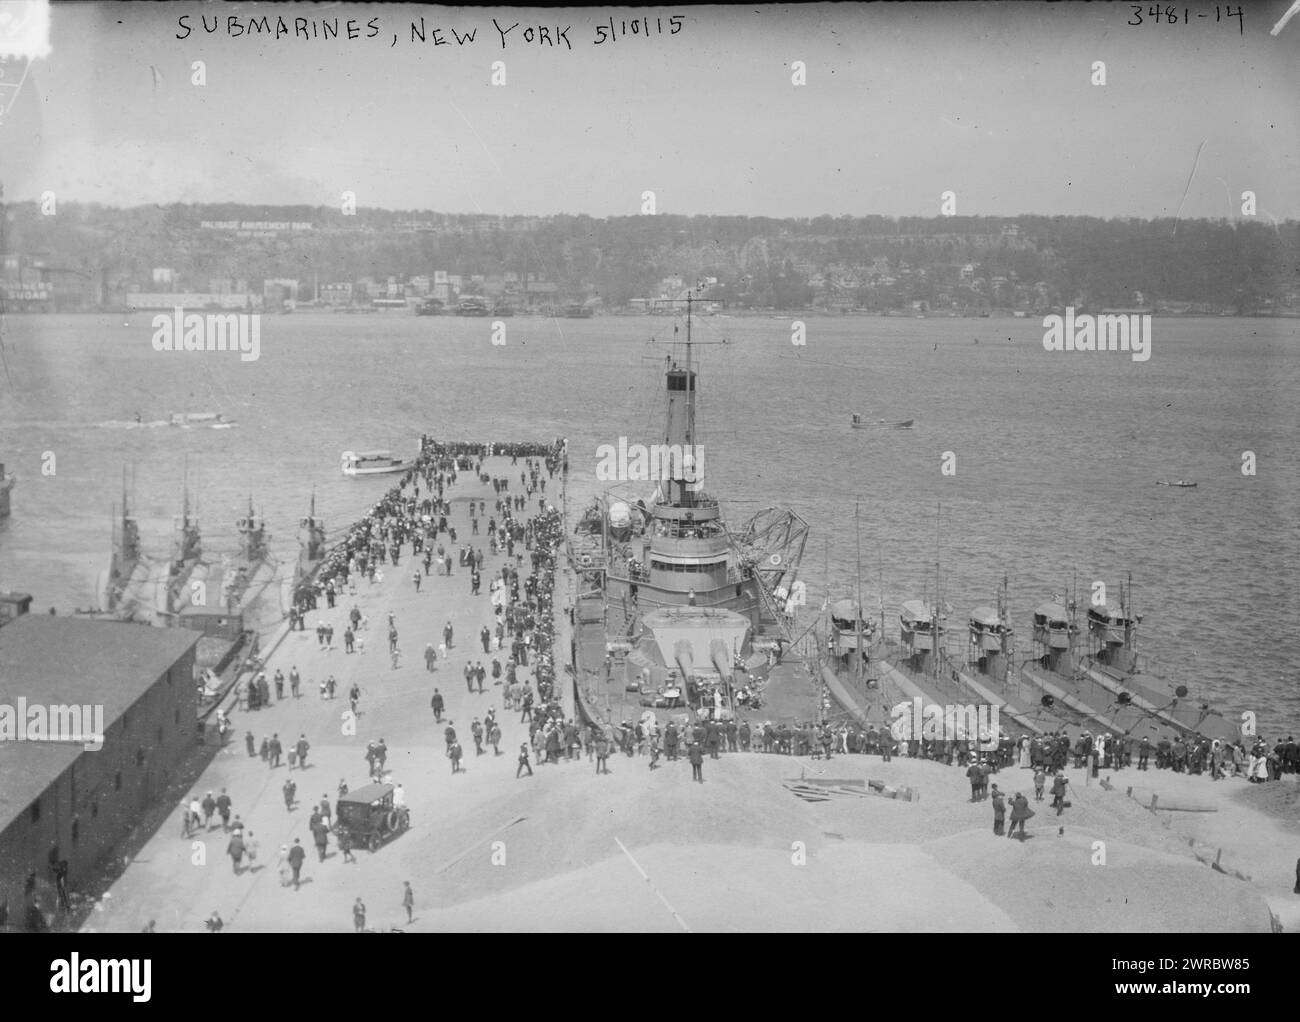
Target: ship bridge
(688,548)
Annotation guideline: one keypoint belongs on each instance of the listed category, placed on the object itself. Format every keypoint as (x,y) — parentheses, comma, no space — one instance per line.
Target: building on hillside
(279,291)
(540,292)
(336,294)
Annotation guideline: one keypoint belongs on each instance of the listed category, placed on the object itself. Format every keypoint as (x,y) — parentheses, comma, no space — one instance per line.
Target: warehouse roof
(46,660)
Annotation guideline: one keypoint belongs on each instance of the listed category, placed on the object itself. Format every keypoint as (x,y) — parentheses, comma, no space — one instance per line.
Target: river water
(1056,453)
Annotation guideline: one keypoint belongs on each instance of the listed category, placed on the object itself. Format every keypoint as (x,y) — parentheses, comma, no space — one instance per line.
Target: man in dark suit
(296,858)
(1020,812)
(696,755)
(999,811)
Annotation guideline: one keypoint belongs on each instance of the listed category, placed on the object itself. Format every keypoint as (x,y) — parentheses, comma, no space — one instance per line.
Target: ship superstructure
(674,610)
(236,593)
(1077,677)
(126,588)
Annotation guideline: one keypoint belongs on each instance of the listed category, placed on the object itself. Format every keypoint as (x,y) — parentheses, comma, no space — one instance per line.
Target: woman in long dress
(1024,753)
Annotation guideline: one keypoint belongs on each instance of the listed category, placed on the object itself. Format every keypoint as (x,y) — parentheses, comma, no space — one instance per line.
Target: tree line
(763,261)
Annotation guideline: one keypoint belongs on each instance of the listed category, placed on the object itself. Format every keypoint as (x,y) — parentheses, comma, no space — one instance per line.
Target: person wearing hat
(1058,792)
(696,756)
(999,811)
(297,855)
(602,753)
(1020,812)
(236,849)
(976,776)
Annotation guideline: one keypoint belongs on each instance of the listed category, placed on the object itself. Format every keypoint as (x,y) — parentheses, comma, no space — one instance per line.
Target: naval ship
(136,587)
(311,555)
(222,597)
(676,614)
(236,593)
(1094,675)
(1071,677)
(127,589)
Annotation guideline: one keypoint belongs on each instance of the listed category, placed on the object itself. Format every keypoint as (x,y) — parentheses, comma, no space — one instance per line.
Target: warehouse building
(66,684)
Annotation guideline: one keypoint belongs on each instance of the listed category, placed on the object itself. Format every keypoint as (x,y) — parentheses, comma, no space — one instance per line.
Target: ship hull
(379,471)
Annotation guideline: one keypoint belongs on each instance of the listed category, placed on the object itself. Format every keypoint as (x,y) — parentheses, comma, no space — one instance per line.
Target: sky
(902,103)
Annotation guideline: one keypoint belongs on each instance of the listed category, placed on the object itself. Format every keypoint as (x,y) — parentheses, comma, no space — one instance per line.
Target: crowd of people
(1051,752)
(413,518)
(552,454)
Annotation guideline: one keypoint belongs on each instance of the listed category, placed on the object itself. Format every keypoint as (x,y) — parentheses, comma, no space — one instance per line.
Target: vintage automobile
(371,816)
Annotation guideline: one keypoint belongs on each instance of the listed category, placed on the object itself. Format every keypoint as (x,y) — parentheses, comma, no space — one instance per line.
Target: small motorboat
(212,420)
(858,422)
(370,463)
(1181,483)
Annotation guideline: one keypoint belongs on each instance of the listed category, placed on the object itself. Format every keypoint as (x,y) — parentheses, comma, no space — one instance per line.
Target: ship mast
(934,620)
(1006,633)
(857,624)
(690,380)
(1074,611)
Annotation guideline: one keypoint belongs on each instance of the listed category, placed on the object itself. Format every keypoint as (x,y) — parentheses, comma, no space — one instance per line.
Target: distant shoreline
(732,314)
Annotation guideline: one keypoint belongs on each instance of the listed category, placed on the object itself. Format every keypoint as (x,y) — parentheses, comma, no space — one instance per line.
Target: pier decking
(163,882)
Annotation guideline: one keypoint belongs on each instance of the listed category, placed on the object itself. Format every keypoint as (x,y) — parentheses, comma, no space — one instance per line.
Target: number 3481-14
(1154,13)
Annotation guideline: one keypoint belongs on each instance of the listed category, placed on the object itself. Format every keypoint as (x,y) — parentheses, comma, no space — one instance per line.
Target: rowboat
(857,422)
